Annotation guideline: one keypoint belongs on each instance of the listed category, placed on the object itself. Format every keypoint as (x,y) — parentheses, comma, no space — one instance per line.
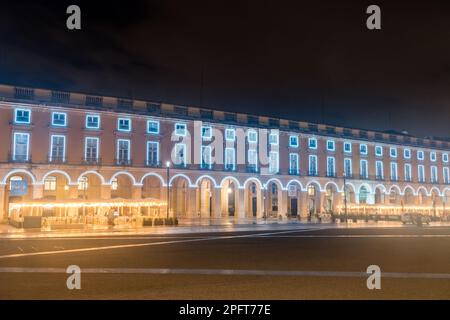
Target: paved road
(301,263)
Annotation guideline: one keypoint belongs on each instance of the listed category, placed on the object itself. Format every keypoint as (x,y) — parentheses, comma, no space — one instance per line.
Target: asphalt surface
(270,264)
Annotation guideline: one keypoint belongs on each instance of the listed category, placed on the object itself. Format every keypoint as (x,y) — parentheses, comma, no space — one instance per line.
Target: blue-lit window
(312,143)
(273,139)
(393,152)
(59,119)
(180,129)
(124,124)
(347,147)
(230,134)
(293,141)
(363,148)
(407,153)
(433,156)
(445,157)
(206,132)
(252,136)
(420,155)
(93,121)
(330,145)
(22,116)
(379,151)
(153,126)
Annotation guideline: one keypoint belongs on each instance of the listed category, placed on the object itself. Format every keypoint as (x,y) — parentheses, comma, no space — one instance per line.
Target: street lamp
(168,188)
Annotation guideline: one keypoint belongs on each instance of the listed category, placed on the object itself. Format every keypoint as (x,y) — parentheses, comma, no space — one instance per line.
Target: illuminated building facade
(65,146)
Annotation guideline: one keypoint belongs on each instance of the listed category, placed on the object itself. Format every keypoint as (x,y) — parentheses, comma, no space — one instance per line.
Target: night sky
(305,60)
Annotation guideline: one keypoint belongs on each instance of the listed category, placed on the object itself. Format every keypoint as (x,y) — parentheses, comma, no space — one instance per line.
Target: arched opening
(273,199)
(89,187)
(435,201)
(152,188)
(363,195)
(205,194)
(229,193)
(19,188)
(423,198)
(409,196)
(294,190)
(121,187)
(349,194)
(379,196)
(253,203)
(56,187)
(178,196)
(331,193)
(313,192)
(394,197)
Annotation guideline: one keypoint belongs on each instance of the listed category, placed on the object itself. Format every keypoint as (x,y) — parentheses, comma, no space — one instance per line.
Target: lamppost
(168,188)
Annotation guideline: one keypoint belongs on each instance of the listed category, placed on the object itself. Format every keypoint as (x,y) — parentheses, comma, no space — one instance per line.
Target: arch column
(38,191)
(3,213)
(303,205)
(136,192)
(283,203)
(105,191)
(217,205)
(73,192)
(240,203)
(192,203)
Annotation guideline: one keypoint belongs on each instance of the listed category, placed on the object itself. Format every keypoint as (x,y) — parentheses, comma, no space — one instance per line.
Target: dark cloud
(311,61)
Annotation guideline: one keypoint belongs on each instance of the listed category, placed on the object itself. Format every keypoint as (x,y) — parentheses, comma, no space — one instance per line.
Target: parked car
(415,218)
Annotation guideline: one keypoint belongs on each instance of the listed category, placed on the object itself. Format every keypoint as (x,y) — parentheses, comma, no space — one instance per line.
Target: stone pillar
(105,192)
(240,201)
(283,203)
(38,191)
(136,192)
(303,196)
(73,192)
(192,203)
(3,212)
(217,203)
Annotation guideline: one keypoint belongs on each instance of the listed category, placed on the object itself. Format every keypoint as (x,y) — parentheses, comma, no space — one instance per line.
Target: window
(252,136)
(421,173)
(124,124)
(363,149)
(434,177)
(445,157)
(123,151)
(59,119)
(379,151)
(252,158)
(379,170)
(12,179)
(408,175)
(180,154)
(180,129)
(347,147)
(230,134)
(348,167)
(293,163)
(92,121)
(22,116)
(433,156)
(206,133)
(273,162)
(83,183)
(21,146)
(230,162)
(91,149)
(393,152)
(273,139)
(153,126)
(57,148)
(206,157)
(312,143)
(446,175)
(363,169)
(394,176)
(420,155)
(407,153)
(152,153)
(293,141)
(330,145)
(114,184)
(50,183)
(313,170)
(331,168)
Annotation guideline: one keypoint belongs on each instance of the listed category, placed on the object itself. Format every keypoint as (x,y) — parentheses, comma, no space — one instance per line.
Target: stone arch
(19,171)
(236,181)
(205,176)
(52,172)
(102,179)
(153,174)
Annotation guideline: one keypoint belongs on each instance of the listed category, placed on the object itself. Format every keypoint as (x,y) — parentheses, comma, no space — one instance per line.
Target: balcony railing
(123,162)
(206,166)
(92,161)
(52,159)
(153,164)
(293,172)
(229,167)
(19,159)
(313,173)
(252,169)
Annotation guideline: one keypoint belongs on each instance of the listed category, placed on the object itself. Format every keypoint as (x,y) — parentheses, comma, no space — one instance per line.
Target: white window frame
(59,113)
(316,171)
(408,172)
(433,156)
(394,171)
(315,143)
(207,150)
(51,146)
(361,145)
(296,141)
(377,163)
(184,130)
(157,126)
(378,154)
(445,157)
(28,145)
(129,149)
(393,152)
(295,155)
(207,129)
(231,131)
(434,178)
(97,116)
(97,146)
(333,148)
(276,140)
(274,155)
(366,175)
(407,151)
(233,164)
(20,121)
(183,147)
(420,155)
(157,152)
(129,124)
(446,175)
(347,143)
(250,133)
(421,169)
(349,160)
(333,173)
